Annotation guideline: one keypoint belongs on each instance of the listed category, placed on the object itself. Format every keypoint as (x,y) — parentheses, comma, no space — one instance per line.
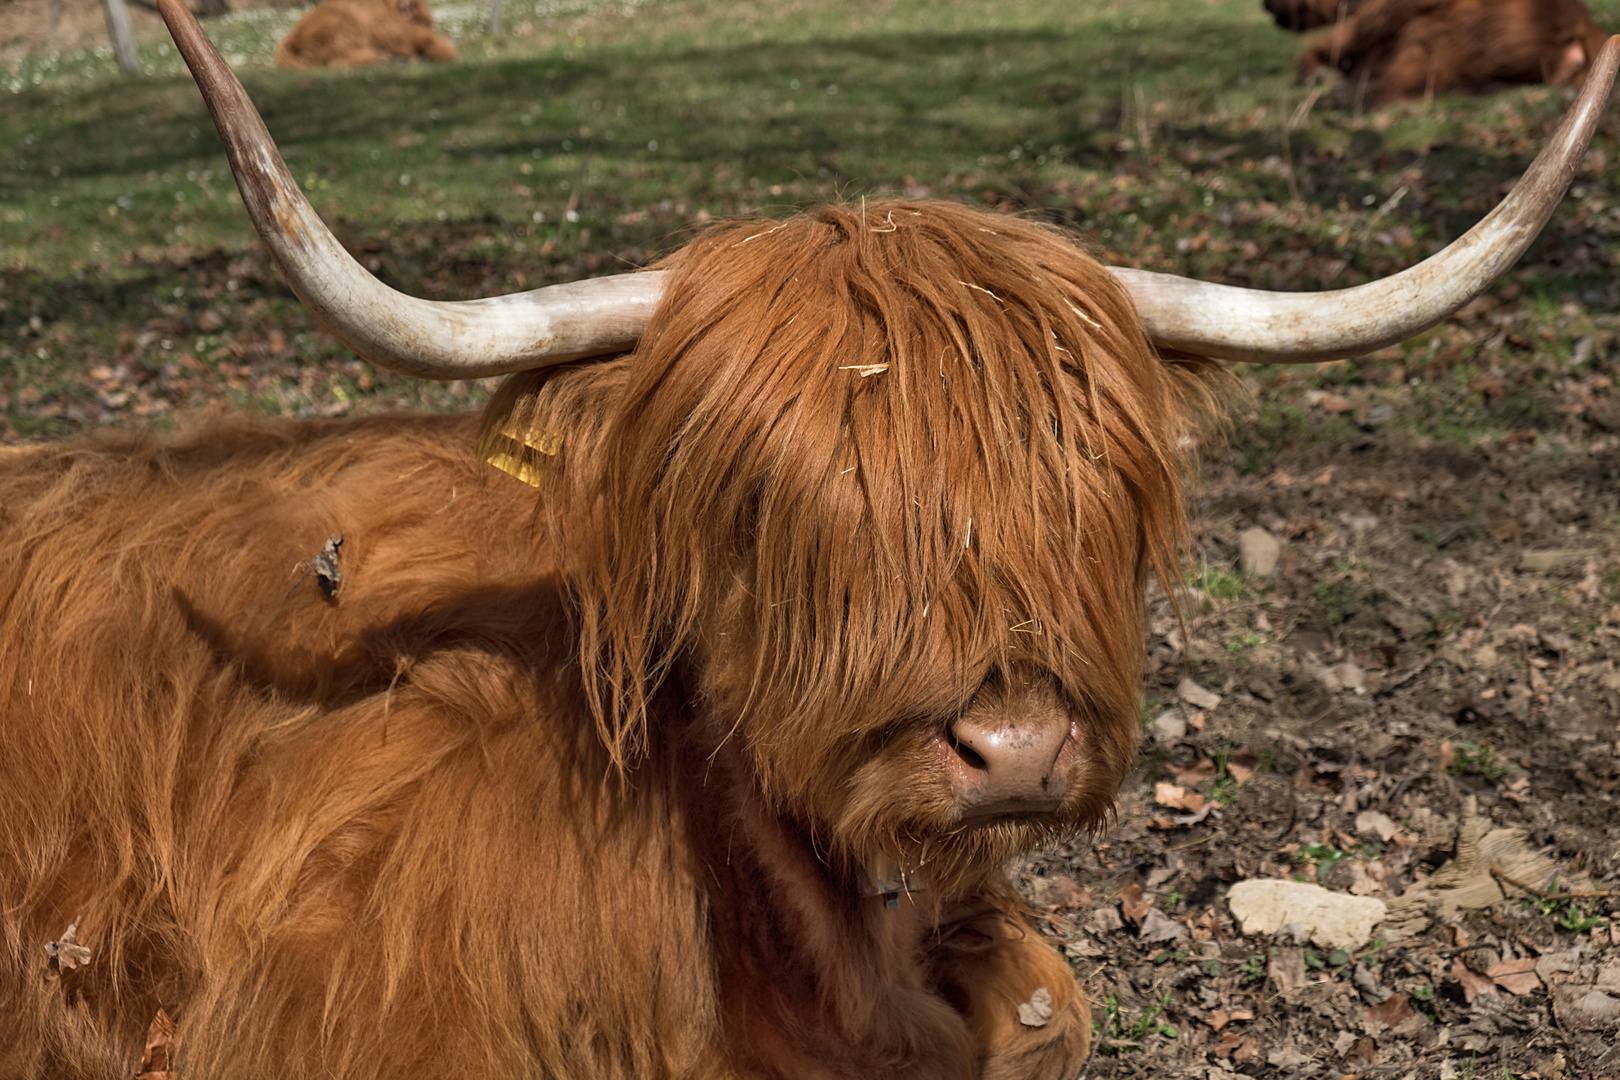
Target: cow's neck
(820,973)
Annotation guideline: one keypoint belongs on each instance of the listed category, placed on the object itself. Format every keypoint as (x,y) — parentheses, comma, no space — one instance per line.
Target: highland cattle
(331,751)
(353,33)
(1408,50)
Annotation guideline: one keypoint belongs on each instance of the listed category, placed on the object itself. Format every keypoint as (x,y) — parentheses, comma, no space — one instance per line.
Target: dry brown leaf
(1194,775)
(1060,892)
(160,1042)
(1516,976)
(66,953)
(1473,983)
(1286,969)
(1177,797)
(1365,1052)
(1133,904)
(1393,1012)
(1333,403)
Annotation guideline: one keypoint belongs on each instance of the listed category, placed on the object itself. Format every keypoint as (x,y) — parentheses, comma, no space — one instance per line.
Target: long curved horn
(496,335)
(462,339)
(1291,328)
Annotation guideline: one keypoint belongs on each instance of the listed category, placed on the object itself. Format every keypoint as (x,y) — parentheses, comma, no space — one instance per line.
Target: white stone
(1258,552)
(1156,926)
(1197,696)
(1372,823)
(1333,920)
(1169,726)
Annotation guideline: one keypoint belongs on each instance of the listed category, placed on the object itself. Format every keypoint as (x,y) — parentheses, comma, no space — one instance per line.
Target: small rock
(1196,696)
(1157,926)
(1372,823)
(1081,949)
(1585,1008)
(1258,552)
(1350,675)
(1373,992)
(1542,562)
(1553,963)
(1287,1059)
(1410,624)
(1037,1011)
(1105,920)
(1169,726)
(1558,642)
(1333,920)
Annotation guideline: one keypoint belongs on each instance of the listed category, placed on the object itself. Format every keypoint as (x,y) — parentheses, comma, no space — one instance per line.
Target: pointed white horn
(1293,328)
(463,339)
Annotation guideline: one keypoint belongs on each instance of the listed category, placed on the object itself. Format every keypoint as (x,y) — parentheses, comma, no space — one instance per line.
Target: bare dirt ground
(1426,690)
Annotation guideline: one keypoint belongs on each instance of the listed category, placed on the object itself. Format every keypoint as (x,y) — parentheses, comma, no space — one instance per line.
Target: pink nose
(1006,760)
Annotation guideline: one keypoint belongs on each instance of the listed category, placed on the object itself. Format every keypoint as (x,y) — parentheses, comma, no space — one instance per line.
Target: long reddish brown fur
(1406,50)
(581,783)
(354,33)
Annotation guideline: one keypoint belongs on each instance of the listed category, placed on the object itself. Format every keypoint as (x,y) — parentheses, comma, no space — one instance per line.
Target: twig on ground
(1571,894)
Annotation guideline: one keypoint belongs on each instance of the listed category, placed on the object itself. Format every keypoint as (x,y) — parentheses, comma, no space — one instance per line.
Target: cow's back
(297,822)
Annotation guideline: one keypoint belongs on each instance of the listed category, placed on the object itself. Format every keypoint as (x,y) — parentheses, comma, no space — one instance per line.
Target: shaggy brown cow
(1301,15)
(702,761)
(1404,50)
(352,33)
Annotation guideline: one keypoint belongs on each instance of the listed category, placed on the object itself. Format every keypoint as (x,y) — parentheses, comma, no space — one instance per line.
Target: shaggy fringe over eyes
(863,458)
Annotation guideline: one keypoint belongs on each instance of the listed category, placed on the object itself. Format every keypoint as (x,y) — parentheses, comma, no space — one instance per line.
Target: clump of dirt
(1419,704)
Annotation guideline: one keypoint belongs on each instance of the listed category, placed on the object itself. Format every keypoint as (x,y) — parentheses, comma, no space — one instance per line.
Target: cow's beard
(918,828)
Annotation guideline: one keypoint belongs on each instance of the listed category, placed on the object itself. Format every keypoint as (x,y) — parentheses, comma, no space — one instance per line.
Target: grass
(590,137)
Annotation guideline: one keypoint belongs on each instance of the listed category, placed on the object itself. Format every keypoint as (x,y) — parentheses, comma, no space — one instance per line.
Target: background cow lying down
(353,33)
(1403,50)
(699,758)
(1301,15)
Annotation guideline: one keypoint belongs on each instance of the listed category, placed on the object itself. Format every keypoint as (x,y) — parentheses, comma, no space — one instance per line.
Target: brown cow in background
(1301,15)
(701,758)
(352,33)
(1404,50)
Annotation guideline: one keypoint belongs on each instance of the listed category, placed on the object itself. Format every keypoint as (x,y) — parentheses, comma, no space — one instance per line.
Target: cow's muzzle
(1010,752)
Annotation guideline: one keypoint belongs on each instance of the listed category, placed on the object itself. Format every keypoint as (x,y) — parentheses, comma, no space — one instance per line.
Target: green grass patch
(591,137)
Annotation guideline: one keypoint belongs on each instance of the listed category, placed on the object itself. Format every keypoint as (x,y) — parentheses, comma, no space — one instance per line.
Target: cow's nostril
(1009,764)
(970,757)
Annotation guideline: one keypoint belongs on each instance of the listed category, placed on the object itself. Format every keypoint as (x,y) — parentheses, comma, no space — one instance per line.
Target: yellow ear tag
(520,455)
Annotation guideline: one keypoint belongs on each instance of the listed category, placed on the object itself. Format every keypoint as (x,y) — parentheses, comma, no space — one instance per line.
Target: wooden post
(494,25)
(123,38)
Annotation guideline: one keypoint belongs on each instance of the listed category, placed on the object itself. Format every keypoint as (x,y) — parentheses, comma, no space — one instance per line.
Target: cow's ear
(546,427)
